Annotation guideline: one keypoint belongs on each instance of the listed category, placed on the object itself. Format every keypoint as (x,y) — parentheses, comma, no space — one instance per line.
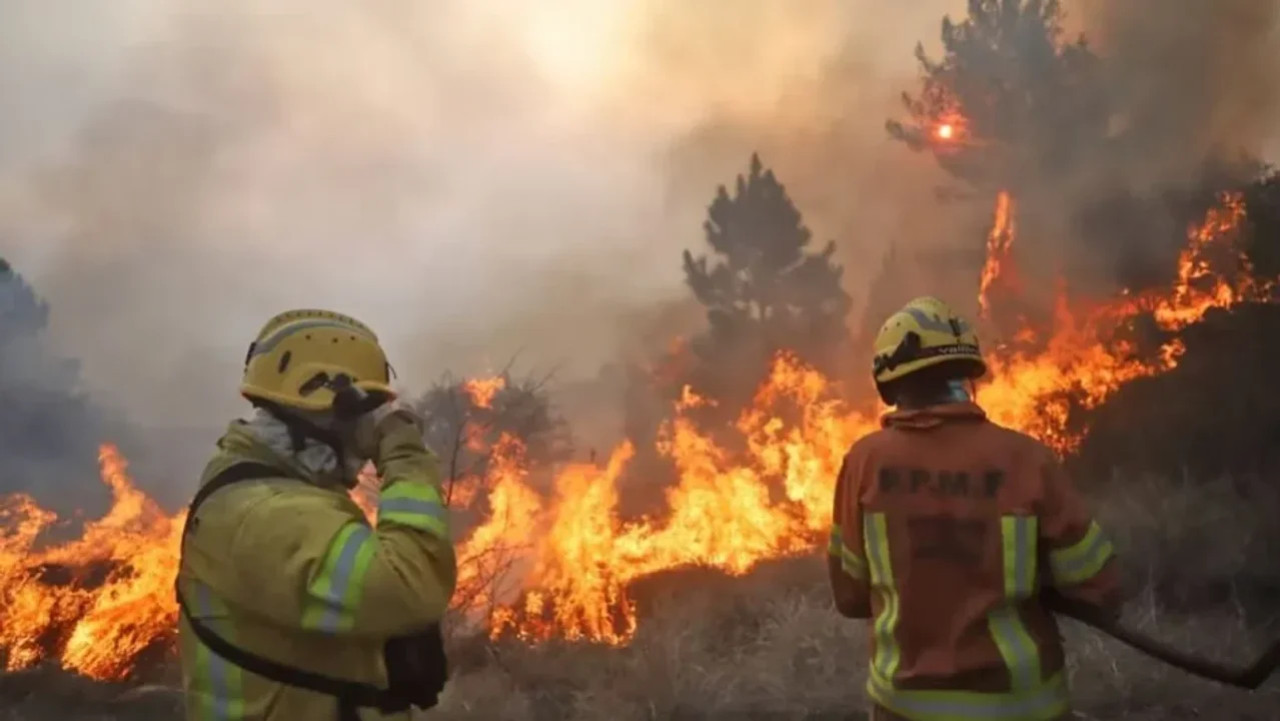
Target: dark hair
(926,385)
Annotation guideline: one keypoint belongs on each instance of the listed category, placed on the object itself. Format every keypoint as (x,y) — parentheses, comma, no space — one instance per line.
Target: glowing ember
(482,391)
(558,563)
(945,131)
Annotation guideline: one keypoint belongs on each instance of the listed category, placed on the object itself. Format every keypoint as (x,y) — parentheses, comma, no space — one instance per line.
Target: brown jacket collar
(932,416)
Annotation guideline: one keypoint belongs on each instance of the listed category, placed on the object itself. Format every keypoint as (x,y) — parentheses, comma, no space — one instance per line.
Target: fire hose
(1249,677)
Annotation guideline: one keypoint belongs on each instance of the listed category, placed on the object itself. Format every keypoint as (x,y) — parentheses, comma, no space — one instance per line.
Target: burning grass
(711,646)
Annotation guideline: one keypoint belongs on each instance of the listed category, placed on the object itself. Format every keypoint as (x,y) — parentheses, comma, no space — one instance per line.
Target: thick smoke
(477,178)
(1198,78)
(1110,157)
(1195,101)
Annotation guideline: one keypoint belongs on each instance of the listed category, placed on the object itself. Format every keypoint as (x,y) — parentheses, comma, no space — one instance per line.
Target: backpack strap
(349,694)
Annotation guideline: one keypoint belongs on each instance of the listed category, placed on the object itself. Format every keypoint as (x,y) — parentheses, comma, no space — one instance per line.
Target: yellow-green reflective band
(220,681)
(1083,560)
(850,560)
(334,595)
(852,563)
(1045,702)
(1018,534)
(876,538)
(1017,648)
(416,505)
(836,542)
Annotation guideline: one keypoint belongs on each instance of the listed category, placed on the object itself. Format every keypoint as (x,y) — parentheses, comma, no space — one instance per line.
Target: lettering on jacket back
(955,484)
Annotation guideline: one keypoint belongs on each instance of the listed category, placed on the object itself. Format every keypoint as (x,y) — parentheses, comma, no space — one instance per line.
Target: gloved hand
(417,668)
(377,424)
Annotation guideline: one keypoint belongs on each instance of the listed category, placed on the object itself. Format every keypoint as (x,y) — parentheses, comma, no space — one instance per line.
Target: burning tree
(465,419)
(764,290)
(1010,97)
(484,430)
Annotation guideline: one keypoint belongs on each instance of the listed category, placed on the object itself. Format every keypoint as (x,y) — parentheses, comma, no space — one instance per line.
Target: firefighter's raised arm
(310,560)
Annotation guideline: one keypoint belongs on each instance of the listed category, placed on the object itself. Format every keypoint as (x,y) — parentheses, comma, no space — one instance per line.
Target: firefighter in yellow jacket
(293,606)
(955,535)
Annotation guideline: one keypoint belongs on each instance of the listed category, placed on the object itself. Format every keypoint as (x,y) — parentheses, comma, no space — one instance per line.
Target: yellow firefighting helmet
(299,355)
(925,333)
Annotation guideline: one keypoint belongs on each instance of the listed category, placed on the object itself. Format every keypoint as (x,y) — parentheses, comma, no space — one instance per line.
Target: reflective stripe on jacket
(291,571)
(945,526)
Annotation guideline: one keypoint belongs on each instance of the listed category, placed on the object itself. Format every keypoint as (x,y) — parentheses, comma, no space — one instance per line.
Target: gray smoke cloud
(474,178)
(1199,78)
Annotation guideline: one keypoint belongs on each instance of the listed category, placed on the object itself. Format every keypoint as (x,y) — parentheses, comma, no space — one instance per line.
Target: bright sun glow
(578,44)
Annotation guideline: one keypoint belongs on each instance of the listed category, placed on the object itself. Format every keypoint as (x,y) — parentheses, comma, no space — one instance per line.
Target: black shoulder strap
(247,471)
(349,693)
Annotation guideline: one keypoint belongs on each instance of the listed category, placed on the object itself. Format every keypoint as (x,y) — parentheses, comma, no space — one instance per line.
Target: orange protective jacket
(945,528)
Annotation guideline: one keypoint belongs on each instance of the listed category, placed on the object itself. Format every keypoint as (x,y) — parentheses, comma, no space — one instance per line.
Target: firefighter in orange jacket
(947,530)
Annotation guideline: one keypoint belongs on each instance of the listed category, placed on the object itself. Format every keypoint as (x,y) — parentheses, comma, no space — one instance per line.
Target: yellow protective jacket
(290,570)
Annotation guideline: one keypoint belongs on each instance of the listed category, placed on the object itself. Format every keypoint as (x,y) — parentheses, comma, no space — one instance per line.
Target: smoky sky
(475,179)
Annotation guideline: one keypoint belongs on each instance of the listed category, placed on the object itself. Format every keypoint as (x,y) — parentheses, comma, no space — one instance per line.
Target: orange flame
(482,391)
(1199,288)
(95,602)
(558,563)
(999,250)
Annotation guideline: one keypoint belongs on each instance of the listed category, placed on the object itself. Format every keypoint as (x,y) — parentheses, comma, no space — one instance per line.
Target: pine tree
(764,290)
(49,433)
(1009,97)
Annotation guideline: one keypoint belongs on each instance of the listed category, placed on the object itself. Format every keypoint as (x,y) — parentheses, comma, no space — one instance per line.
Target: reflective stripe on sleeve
(851,561)
(1018,535)
(1045,702)
(836,542)
(416,505)
(1017,648)
(1082,560)
(220,682)
(334,594)
(876,538)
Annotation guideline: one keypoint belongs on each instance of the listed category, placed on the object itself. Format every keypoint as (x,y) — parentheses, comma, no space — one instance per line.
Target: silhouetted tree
(46,424)
(1009,97)
(763,288)
(462,427)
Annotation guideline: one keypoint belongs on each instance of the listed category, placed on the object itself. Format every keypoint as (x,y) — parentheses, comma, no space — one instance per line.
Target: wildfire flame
(95,602)
(482,391)
(1200,287)
(999,260)
(558,563)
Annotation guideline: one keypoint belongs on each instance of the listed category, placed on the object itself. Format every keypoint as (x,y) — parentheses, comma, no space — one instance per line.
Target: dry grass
(784,653)
(769,646)
(1203,564)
